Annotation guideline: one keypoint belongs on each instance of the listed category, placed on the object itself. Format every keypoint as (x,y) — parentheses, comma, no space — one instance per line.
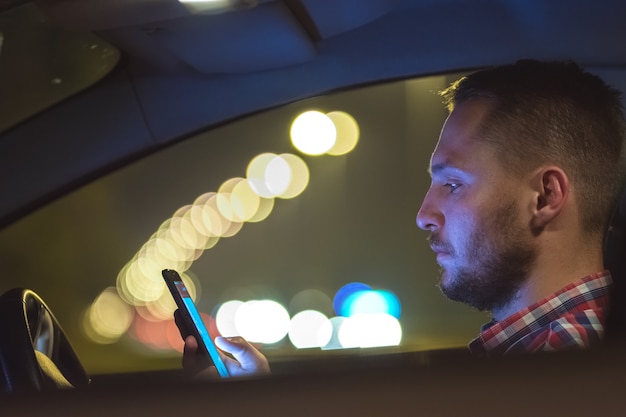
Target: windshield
(304,254)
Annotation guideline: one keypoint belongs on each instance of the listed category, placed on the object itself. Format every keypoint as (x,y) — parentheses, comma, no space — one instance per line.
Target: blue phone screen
(204,333)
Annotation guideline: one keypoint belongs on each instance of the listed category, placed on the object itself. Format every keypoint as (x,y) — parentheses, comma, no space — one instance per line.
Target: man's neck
(547,277)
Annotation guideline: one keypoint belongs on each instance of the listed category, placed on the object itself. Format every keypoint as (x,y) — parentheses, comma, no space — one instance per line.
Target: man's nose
(429,218)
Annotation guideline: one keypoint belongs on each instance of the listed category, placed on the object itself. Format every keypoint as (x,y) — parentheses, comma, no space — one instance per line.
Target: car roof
(182,70)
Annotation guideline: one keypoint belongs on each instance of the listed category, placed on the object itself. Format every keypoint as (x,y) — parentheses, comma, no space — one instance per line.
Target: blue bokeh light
(373,302)
(339,302)
(359,298)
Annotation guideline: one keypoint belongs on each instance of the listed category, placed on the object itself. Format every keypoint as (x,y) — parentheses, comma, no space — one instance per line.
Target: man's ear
(552,187)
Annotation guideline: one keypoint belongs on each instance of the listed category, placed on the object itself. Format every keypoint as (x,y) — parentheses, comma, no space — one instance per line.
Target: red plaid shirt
(572,318)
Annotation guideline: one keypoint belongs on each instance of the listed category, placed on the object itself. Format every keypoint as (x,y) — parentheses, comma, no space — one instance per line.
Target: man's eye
(452,186)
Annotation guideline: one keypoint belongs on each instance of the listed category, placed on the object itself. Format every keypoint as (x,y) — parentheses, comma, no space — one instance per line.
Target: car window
(307,255)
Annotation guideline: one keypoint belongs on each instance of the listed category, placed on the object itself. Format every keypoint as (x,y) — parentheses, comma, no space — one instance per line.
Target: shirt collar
(589,292)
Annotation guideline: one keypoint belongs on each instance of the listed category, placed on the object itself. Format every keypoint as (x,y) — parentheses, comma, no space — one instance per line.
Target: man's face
(473,213)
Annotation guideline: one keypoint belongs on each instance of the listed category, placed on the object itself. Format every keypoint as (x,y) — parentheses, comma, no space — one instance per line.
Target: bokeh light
(154,333)
(372,302)
(142,287)
(370,330)
(277,175)
(299,176)
(107,318)
(256,174)
(313,133)
(225,318)
(262,321)
(196,227)
(334,343)
(219,224)
(270,175)
(266,205)
(339,301)
(310,329)
(359,298)
(244,201)
(347,133)
(237,201)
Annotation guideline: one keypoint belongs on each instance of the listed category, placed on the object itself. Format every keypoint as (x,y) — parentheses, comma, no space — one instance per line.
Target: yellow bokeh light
(234,228)
(88,330)
(193,228)
(204,216)
(313,133)
(277,175)
(245,201)
(163,308)
(146,314)
(347,133)
(165,253)
(122,286)
(108,317)
(200,217)
(271,175)
(299,178)
(184,232)
(224,201)
(266,205)
(143,287)
(168,254)
(219,224)
(255,174)
(214,222)
(148,266)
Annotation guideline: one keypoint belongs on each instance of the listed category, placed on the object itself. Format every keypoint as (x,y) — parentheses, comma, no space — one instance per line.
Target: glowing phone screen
(204,333)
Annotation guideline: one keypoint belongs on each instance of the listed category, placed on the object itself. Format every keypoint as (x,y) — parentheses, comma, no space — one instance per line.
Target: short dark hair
(553,112)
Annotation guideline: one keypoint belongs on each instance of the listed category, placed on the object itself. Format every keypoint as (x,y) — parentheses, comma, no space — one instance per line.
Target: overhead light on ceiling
(215,3)
(217,6)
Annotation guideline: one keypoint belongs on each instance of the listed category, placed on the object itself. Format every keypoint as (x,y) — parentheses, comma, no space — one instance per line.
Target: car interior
(119,118)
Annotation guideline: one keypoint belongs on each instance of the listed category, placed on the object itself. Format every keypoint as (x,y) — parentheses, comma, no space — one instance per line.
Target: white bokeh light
(313,133)
(262,321)
(298,175)
(370,330)
(310,329)
(225,318)
(256,172)
(277,175)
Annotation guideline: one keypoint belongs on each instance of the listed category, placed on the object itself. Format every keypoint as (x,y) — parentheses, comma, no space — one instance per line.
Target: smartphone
(193,321)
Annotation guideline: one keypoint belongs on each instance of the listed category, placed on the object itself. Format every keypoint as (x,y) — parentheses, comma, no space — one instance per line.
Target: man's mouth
(442,255)
(438,246)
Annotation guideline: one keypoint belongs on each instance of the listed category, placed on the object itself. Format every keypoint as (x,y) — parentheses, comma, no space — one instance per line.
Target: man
(524,178)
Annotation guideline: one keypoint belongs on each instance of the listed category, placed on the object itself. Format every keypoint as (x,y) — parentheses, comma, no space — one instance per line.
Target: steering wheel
(35,354)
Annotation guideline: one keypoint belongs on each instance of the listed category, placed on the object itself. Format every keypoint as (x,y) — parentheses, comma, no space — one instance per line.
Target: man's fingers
(180,323)
(249,358)
(190,358)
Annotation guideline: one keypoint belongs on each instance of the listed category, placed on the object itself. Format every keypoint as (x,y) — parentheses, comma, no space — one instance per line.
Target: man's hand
(246,360)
